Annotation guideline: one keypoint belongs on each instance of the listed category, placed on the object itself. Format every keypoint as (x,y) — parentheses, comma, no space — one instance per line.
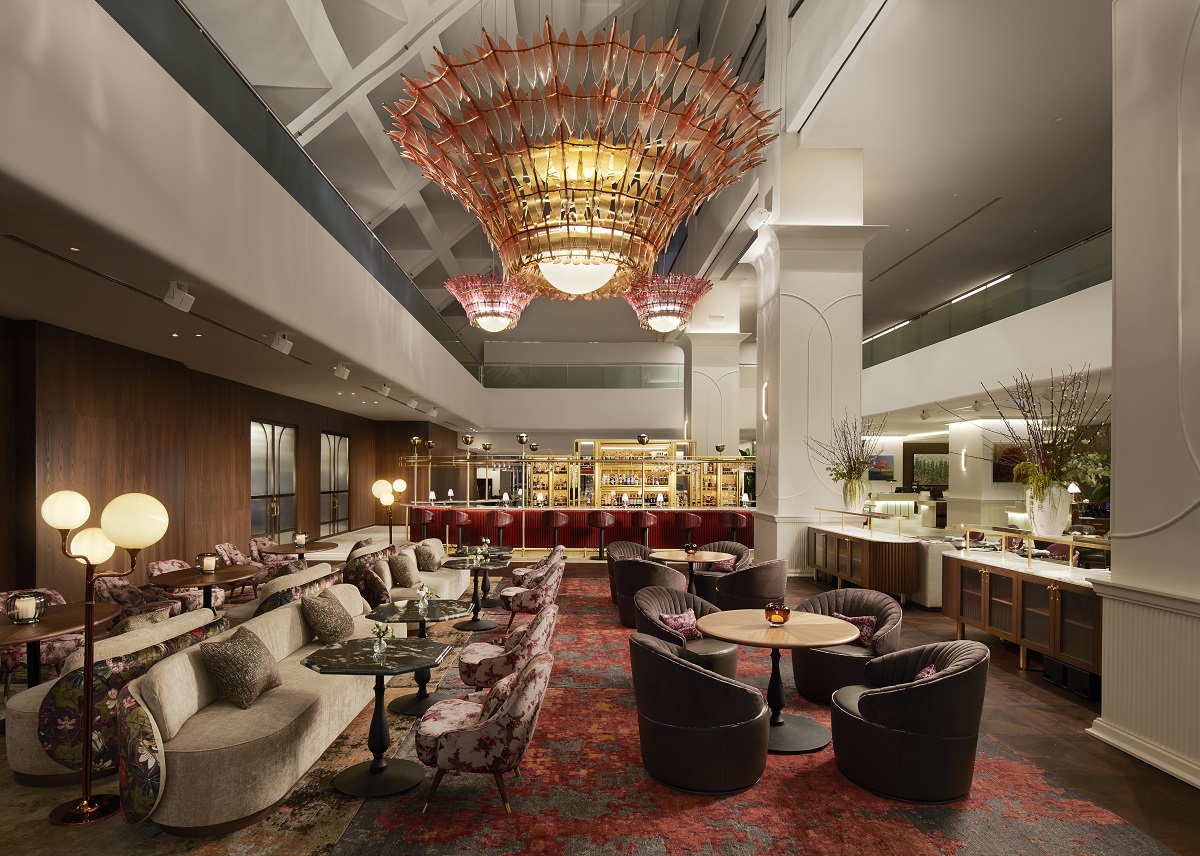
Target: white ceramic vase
(1052,515)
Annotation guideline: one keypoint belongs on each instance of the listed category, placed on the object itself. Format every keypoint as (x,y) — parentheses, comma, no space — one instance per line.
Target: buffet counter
(578,535)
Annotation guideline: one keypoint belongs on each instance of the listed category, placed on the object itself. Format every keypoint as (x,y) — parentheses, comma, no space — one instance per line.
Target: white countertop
(1040,567)
(864,533)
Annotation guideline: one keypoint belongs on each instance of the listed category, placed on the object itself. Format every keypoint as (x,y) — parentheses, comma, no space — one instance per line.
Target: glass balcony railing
(1078,267)
(519,376)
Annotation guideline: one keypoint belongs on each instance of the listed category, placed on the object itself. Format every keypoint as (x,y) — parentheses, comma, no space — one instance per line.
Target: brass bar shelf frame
(1088,542)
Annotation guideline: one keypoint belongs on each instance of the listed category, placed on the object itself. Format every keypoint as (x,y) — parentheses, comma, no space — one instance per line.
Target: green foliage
(1036,480)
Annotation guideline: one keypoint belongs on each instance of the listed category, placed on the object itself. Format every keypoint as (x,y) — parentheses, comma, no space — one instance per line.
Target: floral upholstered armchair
(276,564)
(227,554)
(189,598)
(543,591)
(54,651)
(521,576)
(131,599)
(489,736)
(482,664)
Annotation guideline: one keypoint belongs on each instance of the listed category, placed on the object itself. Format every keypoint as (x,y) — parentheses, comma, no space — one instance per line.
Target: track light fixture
(282,344)
(924,414)
(341,371)
(178,297)
(385,390)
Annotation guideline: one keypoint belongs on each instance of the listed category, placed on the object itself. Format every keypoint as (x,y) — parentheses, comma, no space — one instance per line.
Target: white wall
(97,126)
(1037,340)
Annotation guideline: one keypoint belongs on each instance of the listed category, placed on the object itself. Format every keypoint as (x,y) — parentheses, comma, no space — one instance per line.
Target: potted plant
(853,445)
(1056,429)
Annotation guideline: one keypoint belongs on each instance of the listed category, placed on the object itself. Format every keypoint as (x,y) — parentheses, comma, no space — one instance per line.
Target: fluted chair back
(419,517)
(554,520)
(617,551)
(651,602)
(753,586)
(700,731)
(645,521)
(633,575)
(688,522)
(818,672)
(458,519)
(706,574)
(601,521)
(732,521)
(880,726)
(498,520)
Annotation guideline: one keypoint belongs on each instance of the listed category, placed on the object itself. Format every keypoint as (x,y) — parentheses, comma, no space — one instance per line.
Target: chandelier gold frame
(581,151)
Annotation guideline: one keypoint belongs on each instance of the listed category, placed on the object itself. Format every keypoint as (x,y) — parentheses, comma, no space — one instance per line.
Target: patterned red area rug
(584,790)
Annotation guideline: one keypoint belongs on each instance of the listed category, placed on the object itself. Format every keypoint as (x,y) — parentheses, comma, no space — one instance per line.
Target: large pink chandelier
(664,302)
(581,158)
(492,303)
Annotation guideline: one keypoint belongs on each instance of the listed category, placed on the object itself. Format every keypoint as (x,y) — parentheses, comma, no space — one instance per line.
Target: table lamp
(132,521)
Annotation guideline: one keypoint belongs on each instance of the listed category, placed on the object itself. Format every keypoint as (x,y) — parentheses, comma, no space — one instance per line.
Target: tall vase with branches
(853,444)
(1056,428)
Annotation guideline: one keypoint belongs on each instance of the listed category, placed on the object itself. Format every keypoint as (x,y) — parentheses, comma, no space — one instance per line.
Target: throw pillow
(928,672)
(358,545)
(498,695)
(404,569)
(242,667)
(373,590)
(722,567)
(383,570)
(327,617)
(428,559)
(137,622)
(683,623)
(864,623)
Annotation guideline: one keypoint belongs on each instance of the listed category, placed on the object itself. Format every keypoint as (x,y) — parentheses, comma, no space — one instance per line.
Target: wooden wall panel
(10,572)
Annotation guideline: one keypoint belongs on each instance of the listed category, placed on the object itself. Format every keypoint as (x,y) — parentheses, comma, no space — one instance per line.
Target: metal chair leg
(437,780)
(503,793)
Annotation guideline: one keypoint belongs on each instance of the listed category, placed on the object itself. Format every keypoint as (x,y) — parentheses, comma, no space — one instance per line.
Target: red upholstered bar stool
(498,520)
(601,520)
(733,521)
(554,520)
(688,522)
(644,520)
(454,517)
(420,517)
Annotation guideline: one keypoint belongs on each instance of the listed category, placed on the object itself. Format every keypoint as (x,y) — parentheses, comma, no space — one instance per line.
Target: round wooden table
(55,621)
(692,559)
(789,734)
(296,550)
(226,576)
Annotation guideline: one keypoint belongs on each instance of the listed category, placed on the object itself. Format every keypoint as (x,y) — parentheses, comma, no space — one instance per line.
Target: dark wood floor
(1045,724)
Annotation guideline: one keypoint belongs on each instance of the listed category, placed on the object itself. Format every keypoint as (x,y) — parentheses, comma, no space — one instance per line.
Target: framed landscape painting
(883,468)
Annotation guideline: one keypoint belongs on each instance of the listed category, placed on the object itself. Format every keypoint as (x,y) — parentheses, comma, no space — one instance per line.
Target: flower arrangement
(382,632)
(425,593)
(853,445)
(1056,429)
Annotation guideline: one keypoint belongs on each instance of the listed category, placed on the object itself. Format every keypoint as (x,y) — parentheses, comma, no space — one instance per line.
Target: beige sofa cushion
(245,611)
(445,583)
(136,640)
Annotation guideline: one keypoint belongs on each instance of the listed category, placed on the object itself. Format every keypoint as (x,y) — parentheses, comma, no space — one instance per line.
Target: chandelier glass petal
(664,302)
(578,151)
(492,303)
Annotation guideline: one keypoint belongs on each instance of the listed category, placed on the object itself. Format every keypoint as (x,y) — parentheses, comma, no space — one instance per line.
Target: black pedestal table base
(380,776)
(790,734)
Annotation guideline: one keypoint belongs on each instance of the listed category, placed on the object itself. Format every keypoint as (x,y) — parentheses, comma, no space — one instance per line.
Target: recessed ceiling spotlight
(339,393)
(1058,119)
(376,402)
(174,335)
(199,335)
(954,194)
(73,249)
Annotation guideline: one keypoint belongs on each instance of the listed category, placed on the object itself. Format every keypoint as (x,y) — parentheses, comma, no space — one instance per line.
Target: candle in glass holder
(25,608)
(778,613)
(208,563)
(301,539)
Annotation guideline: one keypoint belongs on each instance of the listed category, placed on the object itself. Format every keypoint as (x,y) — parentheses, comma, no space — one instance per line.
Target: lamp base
(80,813)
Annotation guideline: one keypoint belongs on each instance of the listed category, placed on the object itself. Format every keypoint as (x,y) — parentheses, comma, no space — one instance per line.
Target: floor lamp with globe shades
(386,492)
(132,521)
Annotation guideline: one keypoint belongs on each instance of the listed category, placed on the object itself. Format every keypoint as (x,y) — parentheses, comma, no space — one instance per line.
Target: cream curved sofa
(199,765)
(284,589)
(37,761)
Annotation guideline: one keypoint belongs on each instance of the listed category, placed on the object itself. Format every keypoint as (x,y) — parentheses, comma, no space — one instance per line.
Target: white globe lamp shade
(399,486)
(494,323)
(664,323)
(66,509)
(387,499)
(577,277)
(381,487)
(134,521)
(93,545)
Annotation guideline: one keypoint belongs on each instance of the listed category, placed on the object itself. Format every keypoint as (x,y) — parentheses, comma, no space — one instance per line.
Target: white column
(809,268)
(1151,654)
(711,390)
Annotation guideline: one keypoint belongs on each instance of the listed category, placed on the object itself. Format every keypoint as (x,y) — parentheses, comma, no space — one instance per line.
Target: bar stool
(498,520)
(454,517)
(688,522)
(601,520)
(644,520)
(554,520)
(734,521)
(422,517)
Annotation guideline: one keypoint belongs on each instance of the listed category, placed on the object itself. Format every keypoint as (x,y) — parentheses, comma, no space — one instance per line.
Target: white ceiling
(955,105)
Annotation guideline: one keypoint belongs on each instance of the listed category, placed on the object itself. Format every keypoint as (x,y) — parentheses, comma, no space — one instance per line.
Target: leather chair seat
(818,672)
(715,655)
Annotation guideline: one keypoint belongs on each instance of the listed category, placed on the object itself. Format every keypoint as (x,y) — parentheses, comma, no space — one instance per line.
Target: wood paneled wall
(10,570)
(394,460)
(105,420)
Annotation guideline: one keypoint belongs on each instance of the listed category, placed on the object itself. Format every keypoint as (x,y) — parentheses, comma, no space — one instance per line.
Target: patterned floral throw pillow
(928,672)
(683,623)
(864,623)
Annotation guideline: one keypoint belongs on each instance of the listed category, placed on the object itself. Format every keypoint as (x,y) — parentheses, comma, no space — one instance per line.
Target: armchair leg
(503,793)
(437,780)
(511,616)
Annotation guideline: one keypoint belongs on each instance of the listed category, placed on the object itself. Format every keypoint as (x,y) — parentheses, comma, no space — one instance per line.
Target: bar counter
(576,534)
